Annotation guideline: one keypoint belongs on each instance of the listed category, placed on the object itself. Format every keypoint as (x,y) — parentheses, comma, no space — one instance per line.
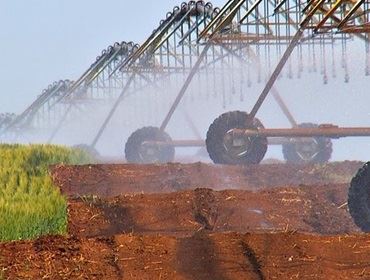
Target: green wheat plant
(30,205)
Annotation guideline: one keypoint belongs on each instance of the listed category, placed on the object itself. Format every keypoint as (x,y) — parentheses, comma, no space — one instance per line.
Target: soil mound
(199,221)
(113,180)
(317,209)
(283,255)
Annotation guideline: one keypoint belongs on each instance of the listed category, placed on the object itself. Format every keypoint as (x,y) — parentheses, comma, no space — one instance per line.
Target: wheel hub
(149,153)
(236,145)
(307,149)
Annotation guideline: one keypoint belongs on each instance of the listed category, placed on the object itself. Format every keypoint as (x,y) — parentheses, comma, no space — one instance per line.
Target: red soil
(199,222)
(113,180)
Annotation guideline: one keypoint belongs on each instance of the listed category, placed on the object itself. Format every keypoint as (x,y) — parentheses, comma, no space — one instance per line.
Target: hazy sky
(42,41)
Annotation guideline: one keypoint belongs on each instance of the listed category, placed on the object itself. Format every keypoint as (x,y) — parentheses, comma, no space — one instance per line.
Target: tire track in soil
(196,258)
(197,255)
(113,257)
(252,259)
(119,217)
(205,208)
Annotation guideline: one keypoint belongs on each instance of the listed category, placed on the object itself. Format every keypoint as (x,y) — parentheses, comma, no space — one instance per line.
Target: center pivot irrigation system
(204,53)
(207,60)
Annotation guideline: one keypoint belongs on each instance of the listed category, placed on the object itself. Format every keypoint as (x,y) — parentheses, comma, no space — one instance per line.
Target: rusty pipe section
(177,143)
(279,136)
(321,131)
(276,141)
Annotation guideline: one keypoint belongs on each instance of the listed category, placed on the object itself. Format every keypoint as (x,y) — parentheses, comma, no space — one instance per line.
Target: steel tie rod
(283,60)
(184,87)
(330,132)
(112,111)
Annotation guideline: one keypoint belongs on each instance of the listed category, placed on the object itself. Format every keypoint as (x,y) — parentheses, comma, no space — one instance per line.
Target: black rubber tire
(324,146)
(87,149)
(359,198)
(219,128)
(134,144)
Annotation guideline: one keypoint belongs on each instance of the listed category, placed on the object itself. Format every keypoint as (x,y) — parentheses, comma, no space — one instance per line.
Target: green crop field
(30,205)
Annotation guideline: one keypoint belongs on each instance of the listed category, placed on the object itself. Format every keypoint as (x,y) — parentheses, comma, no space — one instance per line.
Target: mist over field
(48,41)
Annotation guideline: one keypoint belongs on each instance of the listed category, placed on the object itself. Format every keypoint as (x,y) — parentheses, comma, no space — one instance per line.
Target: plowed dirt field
(199,221)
